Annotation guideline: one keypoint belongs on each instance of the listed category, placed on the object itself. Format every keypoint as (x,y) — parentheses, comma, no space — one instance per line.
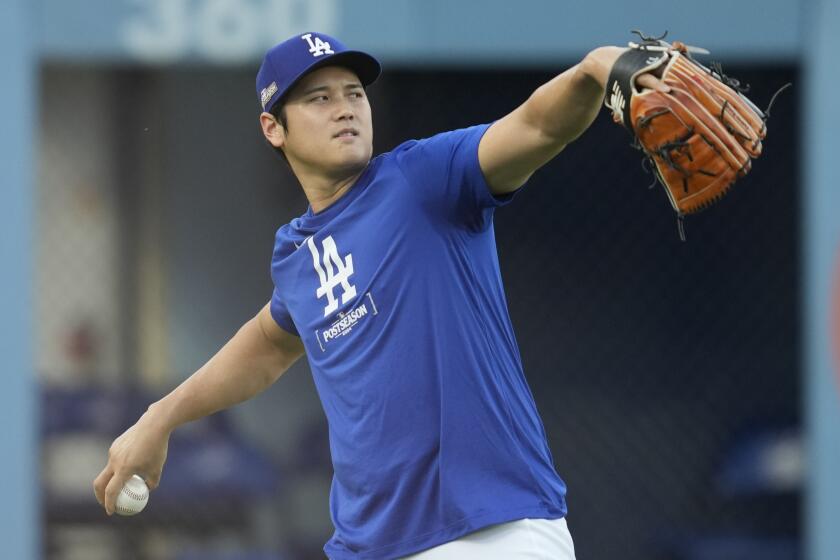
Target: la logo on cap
(317,47)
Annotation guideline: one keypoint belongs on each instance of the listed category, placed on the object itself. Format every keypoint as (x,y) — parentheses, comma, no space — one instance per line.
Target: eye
(357,94)
(318,98)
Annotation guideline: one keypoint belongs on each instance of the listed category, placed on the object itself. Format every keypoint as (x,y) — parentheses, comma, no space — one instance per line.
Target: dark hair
(278,111)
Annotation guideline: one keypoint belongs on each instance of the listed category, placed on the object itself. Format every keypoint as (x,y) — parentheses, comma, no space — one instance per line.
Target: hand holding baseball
(140,450)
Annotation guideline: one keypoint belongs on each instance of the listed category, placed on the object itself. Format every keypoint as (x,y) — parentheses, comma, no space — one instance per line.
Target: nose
(345,111)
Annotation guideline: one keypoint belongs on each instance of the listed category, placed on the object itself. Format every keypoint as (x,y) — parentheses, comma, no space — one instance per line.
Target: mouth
(347,133)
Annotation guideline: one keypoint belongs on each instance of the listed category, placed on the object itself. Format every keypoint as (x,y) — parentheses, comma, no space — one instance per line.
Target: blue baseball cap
(285,64)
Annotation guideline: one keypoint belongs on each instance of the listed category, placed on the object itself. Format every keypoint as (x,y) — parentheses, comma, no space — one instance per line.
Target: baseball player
(390,284)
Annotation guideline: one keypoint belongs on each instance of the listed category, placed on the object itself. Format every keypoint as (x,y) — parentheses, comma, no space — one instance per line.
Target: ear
(272,130)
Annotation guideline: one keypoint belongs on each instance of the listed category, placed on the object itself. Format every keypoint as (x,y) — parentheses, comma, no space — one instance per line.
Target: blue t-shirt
(396,293)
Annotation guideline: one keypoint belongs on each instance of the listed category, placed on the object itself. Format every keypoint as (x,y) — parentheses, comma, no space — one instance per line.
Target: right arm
(248,364)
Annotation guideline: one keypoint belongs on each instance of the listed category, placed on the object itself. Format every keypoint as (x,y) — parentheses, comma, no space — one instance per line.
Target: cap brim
(364,65)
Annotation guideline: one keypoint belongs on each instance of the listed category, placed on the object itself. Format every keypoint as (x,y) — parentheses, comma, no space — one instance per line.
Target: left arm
(556,113)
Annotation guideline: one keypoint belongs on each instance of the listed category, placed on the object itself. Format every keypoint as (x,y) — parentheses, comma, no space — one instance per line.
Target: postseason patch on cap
(266,93)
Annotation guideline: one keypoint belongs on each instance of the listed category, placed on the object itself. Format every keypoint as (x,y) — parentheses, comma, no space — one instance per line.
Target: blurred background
(678,382)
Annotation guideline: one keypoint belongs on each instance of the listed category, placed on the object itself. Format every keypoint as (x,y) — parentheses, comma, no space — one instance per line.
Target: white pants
(525,539)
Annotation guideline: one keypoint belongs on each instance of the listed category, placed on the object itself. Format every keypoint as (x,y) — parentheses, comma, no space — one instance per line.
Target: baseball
(133,497)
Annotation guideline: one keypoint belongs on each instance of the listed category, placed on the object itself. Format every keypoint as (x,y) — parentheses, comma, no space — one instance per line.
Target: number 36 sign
(219,30)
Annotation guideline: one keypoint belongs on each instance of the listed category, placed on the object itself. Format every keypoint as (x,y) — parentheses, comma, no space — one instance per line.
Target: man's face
(329,123)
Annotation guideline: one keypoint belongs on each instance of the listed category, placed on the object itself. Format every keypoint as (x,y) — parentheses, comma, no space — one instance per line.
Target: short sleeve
(281,314)
(446,170)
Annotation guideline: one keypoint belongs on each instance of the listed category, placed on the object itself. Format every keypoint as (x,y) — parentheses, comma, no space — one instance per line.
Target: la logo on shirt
(334,272)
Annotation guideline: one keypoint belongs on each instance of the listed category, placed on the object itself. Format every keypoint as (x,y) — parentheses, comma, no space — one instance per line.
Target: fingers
(652,82)
(101,482)
(112,490)
(153,480)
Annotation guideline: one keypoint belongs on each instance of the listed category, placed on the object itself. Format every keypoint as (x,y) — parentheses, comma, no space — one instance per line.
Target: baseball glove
(698,138)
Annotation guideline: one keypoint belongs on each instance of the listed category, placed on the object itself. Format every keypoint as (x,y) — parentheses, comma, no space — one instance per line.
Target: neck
(322,191)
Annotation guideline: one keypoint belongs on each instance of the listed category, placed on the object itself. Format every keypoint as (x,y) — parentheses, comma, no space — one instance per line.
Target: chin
(357,159)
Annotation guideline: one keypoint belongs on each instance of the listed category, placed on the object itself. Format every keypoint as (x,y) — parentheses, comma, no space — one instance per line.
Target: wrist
(159,418)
